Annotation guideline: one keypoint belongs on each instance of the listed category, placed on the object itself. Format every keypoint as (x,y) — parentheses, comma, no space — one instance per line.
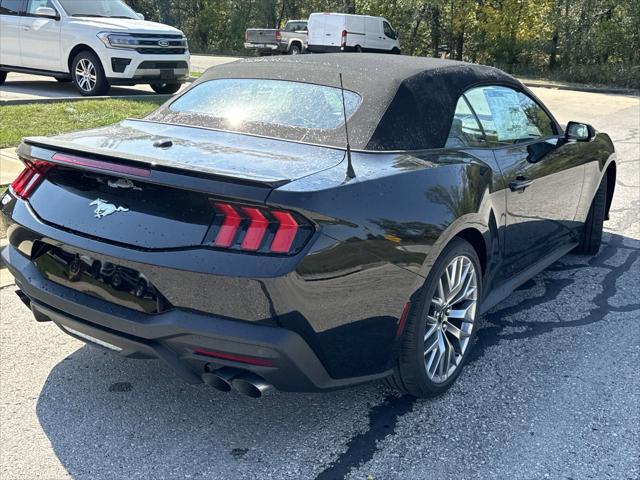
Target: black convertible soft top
(408,103)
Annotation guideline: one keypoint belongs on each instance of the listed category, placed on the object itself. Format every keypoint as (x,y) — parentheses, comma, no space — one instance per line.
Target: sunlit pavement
(552,390)
(20,86)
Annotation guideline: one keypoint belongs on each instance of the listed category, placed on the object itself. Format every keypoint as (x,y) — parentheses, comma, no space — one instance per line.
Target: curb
(585,88)
(142,98)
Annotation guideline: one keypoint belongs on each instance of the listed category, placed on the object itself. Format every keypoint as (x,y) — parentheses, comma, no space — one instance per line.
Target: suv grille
(159,44)
(161,51)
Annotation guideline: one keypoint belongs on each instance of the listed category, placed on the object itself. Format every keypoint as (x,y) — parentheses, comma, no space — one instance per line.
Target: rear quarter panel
(379,235)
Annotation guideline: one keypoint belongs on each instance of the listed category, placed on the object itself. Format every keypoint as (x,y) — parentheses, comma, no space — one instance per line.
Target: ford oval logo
(163,43)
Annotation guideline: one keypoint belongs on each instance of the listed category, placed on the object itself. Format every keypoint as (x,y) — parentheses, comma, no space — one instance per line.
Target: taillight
(30,178)
(278,36)
(344,39)
(246,36)
(258,229)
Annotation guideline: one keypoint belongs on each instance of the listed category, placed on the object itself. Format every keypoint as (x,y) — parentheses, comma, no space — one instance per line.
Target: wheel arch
(81,47)
(297,42)
(477,241)
(611,173)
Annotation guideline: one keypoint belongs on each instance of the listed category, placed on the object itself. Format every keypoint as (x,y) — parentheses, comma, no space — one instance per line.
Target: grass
(18,121)
(196,74)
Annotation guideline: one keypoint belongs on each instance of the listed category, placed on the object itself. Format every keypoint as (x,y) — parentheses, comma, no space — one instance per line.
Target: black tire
(63,80)
(3,77)
(395,51)
(410,374)
(89,87)
(166,88)
(591,237)
(358,49)
(295,49)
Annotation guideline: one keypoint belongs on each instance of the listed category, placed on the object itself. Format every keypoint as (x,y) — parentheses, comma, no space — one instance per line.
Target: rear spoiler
(145,169)
(39,147)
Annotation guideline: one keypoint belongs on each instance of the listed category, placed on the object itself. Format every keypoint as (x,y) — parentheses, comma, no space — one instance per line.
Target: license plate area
(114,283)
(167,74)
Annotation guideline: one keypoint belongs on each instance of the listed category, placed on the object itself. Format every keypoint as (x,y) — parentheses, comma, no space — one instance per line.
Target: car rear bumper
(280,356)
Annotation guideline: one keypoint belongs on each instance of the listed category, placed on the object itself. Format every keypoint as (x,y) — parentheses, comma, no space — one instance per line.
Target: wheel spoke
(462,313)
(456,332)
(430,331)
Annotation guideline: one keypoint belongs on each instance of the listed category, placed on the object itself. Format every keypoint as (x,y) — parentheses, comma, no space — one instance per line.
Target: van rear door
(333,27)
(316,29)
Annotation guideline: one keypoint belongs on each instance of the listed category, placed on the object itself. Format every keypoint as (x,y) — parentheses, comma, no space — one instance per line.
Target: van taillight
(246,36)
(343,45)
(30,178)
(258,229)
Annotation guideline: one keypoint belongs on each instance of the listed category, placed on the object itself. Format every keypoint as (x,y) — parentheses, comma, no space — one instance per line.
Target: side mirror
(140,16)
(580,132)
(46,12)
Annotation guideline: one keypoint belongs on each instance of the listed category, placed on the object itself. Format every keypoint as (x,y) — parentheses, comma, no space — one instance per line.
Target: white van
(340,32)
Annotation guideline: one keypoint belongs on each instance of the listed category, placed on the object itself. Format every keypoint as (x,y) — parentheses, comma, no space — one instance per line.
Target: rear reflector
(101,165)
(234,358)
(258,229)
(403,319)
(30,178)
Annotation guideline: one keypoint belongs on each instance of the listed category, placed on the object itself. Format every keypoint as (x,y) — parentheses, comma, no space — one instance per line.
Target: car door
(40,39)
(542,177)
(10,29)
(390,36)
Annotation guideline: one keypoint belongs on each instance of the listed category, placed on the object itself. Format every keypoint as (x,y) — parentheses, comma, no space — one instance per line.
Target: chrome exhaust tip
(220,379)
(251,385)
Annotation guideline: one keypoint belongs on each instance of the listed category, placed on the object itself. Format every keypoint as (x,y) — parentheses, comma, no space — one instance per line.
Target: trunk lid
(159,198)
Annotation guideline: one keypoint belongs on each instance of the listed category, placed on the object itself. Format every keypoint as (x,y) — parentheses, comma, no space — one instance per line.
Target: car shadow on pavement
(106,416)
(109,417)
(54,89)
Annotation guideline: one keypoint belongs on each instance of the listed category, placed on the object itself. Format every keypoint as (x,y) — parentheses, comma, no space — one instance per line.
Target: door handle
(520,183)
(26,29)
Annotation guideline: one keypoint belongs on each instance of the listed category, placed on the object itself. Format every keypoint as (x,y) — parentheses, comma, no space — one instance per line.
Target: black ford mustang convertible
(234,235)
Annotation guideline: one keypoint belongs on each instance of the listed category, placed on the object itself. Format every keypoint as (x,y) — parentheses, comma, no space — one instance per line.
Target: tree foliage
(592,41)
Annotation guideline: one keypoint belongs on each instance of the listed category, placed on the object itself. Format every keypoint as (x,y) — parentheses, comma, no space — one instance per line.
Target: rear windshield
(277,108)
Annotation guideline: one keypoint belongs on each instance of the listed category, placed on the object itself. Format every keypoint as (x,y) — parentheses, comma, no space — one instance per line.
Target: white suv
(92,43)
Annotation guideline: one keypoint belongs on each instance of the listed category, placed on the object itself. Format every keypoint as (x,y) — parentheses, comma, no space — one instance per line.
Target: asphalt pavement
(552,389)
(21,86)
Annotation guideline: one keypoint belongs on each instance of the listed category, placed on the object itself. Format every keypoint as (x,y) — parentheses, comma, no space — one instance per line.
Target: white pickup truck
(94,44)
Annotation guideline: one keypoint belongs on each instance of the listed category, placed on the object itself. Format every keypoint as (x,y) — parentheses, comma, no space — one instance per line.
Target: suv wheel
(165,88)
(3,77)
(441,324)
(88,75)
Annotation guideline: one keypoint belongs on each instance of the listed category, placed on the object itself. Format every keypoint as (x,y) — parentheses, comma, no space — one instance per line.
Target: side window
(508,116)
(465,129)
(11,7)
(36,4)
(388,31)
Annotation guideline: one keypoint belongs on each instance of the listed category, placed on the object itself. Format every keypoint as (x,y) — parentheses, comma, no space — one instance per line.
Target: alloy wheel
(86,77)
(450,319)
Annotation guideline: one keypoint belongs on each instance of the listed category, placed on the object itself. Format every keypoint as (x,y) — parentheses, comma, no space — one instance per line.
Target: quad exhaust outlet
(227,378)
